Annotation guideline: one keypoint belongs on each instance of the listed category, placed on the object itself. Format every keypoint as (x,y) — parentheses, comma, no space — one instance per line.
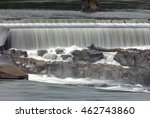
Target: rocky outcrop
(89,5)
(128,57)
(87,55)
(81,69)
(9,71)
(84,69)
(133,57)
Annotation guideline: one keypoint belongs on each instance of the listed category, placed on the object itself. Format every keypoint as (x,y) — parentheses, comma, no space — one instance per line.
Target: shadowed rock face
(87,55)
(4,38)
(133,57)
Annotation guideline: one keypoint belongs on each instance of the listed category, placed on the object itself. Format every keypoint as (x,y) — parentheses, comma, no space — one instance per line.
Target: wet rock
(19,53)
(59,51)
(84,69)
(41,52)
(64,57)
(16,53)
(133,57)
(8,71)
(87,55)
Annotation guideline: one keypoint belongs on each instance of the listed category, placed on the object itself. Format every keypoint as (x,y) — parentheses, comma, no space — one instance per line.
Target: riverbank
(105,5)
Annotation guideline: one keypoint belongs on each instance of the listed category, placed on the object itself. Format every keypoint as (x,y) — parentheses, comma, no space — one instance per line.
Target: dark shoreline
(104,5)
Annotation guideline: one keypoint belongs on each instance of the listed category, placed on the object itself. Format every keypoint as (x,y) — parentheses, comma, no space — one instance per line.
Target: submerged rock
(41,52)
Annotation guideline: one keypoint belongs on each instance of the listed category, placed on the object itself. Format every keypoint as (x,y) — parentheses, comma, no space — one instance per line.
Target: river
(18,13)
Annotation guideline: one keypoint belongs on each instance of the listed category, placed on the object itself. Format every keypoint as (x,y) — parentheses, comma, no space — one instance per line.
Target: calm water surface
(29,90)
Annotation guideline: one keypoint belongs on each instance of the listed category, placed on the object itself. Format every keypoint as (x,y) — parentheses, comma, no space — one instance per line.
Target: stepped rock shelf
(82,67)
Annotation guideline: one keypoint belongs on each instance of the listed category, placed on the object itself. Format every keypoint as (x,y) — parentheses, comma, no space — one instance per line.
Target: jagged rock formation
(89,5)
(83,69)
(133,57)
(89,55)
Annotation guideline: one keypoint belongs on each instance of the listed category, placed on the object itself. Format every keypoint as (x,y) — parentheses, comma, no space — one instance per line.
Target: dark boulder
(59,51)
(64,57)
(41,52)
(87,55)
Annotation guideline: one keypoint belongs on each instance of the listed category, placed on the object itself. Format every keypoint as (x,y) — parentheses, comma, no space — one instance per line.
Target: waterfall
(107,35)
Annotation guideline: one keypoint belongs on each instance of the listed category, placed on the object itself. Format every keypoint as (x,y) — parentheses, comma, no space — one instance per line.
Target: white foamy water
(51,52)
(128,88)
(72,81)
(108,59)
(55,24)
(95,83)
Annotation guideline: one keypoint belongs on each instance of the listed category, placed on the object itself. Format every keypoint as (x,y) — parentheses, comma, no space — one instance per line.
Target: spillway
(30,36)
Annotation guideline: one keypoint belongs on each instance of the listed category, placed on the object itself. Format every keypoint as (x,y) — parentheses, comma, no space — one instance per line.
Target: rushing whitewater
(107,35)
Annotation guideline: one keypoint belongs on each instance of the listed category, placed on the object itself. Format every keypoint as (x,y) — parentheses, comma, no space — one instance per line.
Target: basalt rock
(87,55)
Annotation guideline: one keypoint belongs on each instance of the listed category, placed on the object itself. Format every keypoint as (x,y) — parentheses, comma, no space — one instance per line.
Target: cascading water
(49,36)
(107,35)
